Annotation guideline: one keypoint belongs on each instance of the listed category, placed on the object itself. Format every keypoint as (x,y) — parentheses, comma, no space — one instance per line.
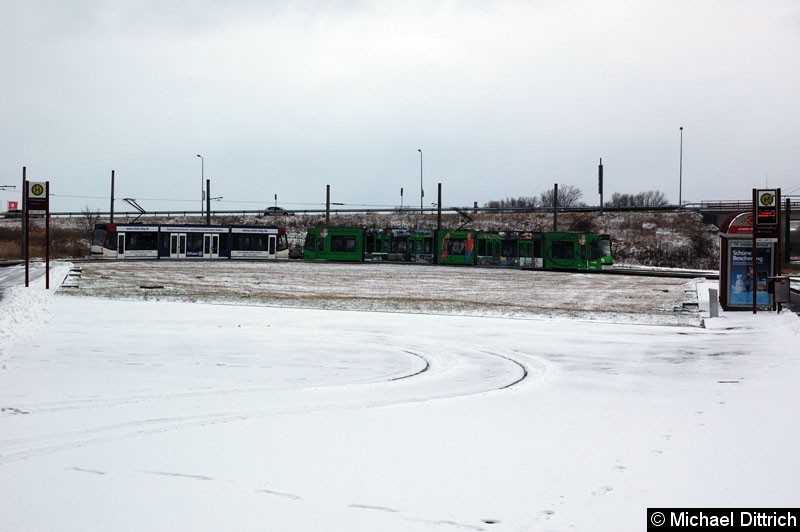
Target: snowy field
(309,397)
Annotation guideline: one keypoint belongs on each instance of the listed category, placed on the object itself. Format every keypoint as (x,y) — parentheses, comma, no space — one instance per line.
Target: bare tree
(522,202)
(649,198)
(568,196)
(89,220)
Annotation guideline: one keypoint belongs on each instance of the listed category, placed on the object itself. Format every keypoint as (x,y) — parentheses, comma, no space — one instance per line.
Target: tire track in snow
(444,375)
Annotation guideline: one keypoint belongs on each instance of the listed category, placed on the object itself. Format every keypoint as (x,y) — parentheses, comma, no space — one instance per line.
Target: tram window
(309,243)
(487,248)
(140,241)
(605,247)
(99,237)
(594,250)
(249,242)
(194,243)
(563,249)
(346,244)
(537,247)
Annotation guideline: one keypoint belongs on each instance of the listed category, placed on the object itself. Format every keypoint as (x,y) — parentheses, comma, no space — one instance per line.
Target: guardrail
(405,210)
(721,206)
(724,206)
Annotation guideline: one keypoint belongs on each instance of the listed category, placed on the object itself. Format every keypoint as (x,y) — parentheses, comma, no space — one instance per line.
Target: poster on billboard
(742,280)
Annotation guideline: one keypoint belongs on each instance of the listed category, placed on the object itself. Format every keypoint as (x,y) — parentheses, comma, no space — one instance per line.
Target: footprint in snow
(602,491)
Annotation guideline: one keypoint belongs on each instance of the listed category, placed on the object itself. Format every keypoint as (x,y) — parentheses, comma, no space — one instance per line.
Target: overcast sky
(504,98)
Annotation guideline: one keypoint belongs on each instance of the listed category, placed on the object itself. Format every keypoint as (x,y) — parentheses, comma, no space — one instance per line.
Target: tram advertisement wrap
(743,279)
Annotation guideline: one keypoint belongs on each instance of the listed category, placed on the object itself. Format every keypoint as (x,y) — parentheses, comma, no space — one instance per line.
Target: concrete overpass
(715,212)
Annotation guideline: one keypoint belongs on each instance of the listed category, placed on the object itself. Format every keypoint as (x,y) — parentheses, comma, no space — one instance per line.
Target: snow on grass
(134,414)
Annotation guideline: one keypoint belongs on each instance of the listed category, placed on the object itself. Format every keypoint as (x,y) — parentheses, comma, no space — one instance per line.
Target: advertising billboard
(742,280)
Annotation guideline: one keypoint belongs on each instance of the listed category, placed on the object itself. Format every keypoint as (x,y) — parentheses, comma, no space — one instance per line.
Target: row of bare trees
(570,196)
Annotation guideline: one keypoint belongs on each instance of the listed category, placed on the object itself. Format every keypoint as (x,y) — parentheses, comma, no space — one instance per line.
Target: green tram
(520,249)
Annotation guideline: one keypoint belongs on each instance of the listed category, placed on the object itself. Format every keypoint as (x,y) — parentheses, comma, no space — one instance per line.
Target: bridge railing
(739,205)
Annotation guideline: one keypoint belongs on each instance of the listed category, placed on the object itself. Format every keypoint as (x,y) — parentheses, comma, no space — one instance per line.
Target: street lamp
(421,190)
(202,182)
(680,173)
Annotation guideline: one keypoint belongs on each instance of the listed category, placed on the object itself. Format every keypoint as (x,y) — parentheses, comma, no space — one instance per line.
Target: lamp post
(680,173)
(202,182)
(421,190)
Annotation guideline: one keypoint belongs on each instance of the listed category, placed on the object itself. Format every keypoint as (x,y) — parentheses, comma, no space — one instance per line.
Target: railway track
(662,272)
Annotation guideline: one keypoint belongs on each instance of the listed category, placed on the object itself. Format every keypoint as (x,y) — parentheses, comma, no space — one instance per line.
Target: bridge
(715,212)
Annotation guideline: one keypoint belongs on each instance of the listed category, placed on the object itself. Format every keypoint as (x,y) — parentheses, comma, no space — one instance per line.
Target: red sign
(741,224)
(13,206)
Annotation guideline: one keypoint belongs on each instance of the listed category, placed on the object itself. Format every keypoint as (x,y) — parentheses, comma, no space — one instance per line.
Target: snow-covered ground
(406,414)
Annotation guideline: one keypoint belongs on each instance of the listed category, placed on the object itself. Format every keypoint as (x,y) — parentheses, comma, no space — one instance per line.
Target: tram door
(177,245)
(121,245)
(211,246)
(273,239)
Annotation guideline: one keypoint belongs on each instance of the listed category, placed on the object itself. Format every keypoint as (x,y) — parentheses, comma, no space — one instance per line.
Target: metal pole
(555,207)
(47,236)
(439,209)
(680,173)
(23,235)
(600,183)
(776,256)
(202,180)
(753,264)
(421,190)
(111,210)
(27,236)
(327,204)
(787,247)
(208,202)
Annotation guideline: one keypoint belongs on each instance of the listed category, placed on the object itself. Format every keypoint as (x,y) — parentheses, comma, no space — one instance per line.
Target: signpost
(766,219)
(37,203)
